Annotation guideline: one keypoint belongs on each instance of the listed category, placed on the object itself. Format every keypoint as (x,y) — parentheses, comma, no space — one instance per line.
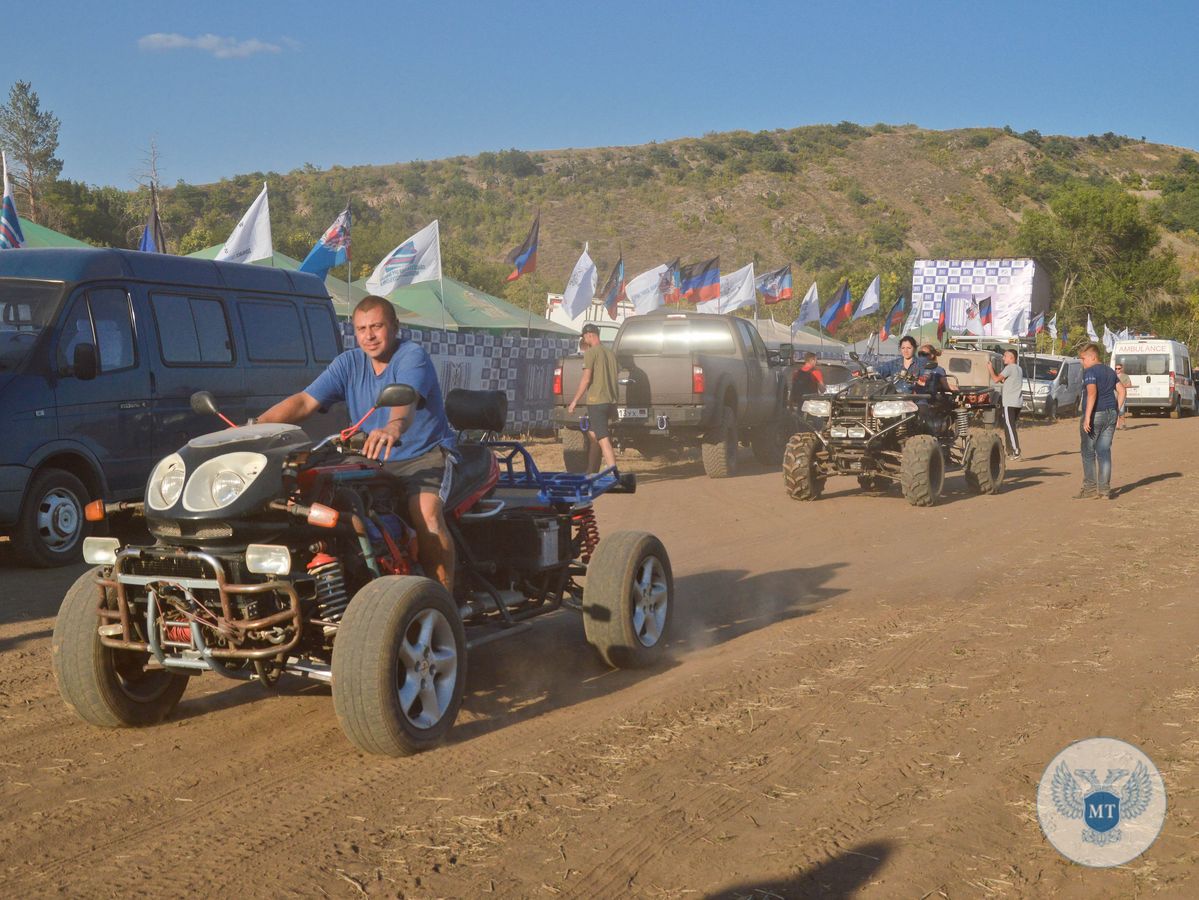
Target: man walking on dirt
(599,384)
(423,461)
(1102,398)
(1012,394)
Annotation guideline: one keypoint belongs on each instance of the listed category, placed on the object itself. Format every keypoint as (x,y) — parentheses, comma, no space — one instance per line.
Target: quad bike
(884,435)
(273,555)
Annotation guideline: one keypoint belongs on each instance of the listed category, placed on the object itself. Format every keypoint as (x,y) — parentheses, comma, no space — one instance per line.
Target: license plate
(630,412)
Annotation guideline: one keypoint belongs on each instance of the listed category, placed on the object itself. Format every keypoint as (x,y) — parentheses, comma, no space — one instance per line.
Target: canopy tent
(344,300)
(803,339)
(40,236)
(471,308)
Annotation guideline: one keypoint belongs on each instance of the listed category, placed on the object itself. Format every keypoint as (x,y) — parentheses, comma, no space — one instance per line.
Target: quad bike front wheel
(922,470)
(106,687)
(801,472)
(985,461)
(399,666)
(629,600)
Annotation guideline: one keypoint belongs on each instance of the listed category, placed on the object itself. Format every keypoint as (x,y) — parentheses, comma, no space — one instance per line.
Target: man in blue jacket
(423,461)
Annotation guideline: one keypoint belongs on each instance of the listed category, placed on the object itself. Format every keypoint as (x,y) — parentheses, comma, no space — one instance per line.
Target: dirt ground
(860,700)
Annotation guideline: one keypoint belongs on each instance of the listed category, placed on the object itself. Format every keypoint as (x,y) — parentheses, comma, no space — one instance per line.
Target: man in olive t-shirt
(599,384)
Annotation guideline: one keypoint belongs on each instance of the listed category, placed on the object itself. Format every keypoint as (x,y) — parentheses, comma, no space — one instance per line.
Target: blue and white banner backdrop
(522,367)
(1014,286)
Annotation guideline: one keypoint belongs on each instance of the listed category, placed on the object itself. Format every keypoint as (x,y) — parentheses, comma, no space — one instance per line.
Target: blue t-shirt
(1104,378)
(351,377)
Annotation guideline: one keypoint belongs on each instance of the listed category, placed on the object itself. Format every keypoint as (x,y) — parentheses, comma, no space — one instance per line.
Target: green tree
(1102,254)
(30,137)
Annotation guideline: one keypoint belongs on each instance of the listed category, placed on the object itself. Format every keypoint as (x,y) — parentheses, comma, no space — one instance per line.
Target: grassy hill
(835,200)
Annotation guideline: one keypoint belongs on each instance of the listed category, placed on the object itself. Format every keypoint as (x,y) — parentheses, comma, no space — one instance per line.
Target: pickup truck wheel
(574,449)
(399,666)
(106,687)
(801,474)
(628,600)
(719,448)
(922,470)
(985,462)
(51,529)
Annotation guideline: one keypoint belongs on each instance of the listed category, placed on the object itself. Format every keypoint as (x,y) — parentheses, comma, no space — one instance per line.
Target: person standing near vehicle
(599,384)
(1012,398)
(1103,398)
(808,379)
(423,461)
(908,362)
(1123,410)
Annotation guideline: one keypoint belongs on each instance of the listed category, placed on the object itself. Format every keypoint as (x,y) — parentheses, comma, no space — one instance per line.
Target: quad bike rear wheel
(985,461)
(628,602)
(922,470)
(801,474)
(106,687)
(399,666)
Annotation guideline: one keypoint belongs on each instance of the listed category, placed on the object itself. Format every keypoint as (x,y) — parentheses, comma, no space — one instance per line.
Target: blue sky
(276,85)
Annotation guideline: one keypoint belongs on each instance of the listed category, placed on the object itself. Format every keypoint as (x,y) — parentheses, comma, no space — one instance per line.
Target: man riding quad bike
(903,429)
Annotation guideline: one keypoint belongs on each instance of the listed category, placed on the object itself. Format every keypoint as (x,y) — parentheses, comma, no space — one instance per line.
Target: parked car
(100,351)
(687,378)
(1161,376)
(1052,385)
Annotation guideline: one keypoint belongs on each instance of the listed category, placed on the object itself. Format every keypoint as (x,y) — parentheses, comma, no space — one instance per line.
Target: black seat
(475,474)
(476,410)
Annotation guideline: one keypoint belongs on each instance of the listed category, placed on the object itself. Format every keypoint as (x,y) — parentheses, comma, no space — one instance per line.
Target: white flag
(736,290)
(1091,329)
(913,322)
(809,309)
(1020,324)
(1052,326)
(870,301)
(417,259)
(581,287)
(1109,339)
(251,237)
(1124,335)
(645,291)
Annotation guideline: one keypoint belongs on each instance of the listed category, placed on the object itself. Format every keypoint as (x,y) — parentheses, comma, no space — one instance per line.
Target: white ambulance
(1160,372)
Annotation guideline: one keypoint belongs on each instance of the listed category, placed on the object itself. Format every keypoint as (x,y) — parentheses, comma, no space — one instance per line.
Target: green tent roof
(471,308)
(41,236)
(343,301)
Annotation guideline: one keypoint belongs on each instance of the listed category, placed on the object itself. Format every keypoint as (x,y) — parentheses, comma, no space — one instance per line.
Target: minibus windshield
(26,308)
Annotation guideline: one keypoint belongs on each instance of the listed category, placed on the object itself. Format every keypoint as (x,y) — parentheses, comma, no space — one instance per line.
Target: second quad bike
(884,433)
(273,555)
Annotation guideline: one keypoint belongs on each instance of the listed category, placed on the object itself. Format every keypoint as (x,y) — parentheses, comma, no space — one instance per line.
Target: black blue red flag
(613,292)
(895,319)
(839,310)
(701,281)
(524,258)
(775,286)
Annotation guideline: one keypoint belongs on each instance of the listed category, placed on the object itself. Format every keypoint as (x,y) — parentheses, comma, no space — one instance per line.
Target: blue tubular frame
(552,487)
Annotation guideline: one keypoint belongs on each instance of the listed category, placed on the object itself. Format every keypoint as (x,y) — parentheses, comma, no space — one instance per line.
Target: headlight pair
(214,484)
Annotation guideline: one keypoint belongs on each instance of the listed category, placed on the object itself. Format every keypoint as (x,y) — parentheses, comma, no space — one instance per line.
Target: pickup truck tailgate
(647,381)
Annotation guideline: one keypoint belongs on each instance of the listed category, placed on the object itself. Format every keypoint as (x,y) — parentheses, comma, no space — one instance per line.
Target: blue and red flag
(524,258)
(839,310)
(670,284)
(700,281)
(1038,324)
(775,286)
(333,249)
(941,321)
(984,312)
(895,319)
(11,236)
(613,292)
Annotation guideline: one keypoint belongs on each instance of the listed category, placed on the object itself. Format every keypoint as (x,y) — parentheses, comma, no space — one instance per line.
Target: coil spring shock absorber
(331,597)
(586,532)
(961,421)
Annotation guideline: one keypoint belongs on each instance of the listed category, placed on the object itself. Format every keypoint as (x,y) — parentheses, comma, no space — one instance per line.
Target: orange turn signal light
(322,516)
(94,511)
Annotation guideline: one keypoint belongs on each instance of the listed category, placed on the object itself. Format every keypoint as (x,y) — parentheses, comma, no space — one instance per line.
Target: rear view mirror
(396,395)
(204,404)
(86,363)
(854,356)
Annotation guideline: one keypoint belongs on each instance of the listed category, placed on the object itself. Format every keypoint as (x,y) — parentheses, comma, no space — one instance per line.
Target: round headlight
(227,487)
(171,486)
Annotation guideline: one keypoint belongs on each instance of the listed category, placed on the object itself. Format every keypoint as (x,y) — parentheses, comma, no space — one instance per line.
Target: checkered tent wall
(522,367)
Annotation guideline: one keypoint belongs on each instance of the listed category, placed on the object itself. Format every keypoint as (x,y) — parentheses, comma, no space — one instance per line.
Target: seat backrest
(476,410)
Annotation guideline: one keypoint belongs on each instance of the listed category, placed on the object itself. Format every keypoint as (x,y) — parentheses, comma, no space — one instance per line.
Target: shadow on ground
(842,876)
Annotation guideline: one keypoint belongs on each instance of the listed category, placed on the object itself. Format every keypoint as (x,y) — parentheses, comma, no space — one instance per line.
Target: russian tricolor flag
(524,257)
(701,281)
(839,310)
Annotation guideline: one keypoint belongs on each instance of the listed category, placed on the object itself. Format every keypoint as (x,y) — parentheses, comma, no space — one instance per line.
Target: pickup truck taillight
(697,379)
(558,380)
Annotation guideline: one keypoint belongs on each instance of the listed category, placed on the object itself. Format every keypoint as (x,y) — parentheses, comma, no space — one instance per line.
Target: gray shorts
(432,473)
(598,415)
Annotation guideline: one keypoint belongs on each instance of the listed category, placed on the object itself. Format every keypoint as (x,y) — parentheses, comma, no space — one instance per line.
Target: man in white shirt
(1012,398)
